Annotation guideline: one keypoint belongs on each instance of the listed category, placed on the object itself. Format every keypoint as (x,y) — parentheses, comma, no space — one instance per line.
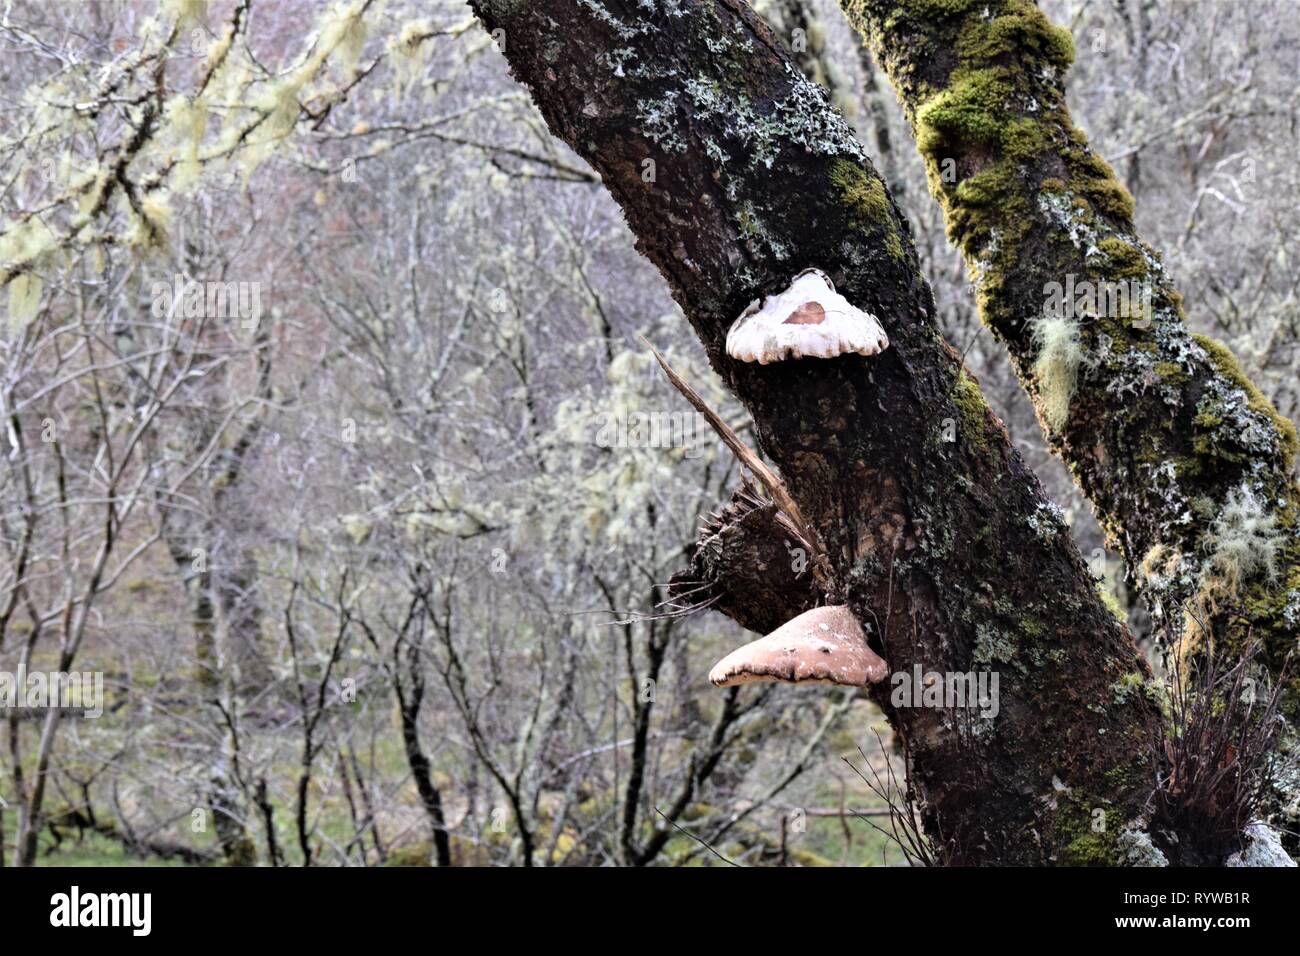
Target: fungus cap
(808,320)
(822,646)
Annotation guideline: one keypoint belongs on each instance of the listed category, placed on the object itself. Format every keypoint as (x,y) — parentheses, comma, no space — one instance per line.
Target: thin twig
(697,839)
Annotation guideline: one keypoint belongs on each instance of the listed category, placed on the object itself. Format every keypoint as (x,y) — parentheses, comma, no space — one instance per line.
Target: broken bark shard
(823,646)
(743,561)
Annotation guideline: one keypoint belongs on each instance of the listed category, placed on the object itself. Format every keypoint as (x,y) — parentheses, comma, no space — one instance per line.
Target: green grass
(92,850)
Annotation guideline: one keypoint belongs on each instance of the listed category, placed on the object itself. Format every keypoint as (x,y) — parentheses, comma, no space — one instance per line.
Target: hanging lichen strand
(225,111)
(1161,428)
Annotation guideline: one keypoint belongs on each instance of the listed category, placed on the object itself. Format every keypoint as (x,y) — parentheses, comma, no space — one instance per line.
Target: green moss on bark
(1084,830)
(1125,260)
(976,416)
(865,197)
(1092,176)
(1091,849)
(1028,202)
(1021,31)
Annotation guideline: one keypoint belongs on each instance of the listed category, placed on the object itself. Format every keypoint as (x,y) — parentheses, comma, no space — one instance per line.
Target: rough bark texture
(1190,468)
(816,62)
(949,551)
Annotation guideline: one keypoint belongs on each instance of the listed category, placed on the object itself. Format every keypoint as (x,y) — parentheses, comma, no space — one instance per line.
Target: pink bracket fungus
(808,320)
(822,646)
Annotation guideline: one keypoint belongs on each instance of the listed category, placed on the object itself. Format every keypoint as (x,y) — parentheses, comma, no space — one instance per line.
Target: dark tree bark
(1188,464)
(410,702)
(949,551)
(787,16)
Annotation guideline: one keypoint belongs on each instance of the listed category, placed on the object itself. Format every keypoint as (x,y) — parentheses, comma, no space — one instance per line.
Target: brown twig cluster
(1217,758)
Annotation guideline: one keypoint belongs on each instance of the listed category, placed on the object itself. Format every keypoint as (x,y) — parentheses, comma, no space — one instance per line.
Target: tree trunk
(949,548)
(409,705)
(1189,466)
(224,797)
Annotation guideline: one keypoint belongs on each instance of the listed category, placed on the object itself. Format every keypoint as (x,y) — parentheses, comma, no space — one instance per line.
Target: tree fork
(735,174)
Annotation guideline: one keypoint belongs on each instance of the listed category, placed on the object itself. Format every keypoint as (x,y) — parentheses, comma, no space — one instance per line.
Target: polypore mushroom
(822,646)
(808,320)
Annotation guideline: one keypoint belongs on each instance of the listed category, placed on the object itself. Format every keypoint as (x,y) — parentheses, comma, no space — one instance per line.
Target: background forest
(374,570)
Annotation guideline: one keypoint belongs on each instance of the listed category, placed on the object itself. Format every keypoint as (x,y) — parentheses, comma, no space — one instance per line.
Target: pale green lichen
(1137,849)
(1243,541)
(763,130)
(1048,522)
(1056,370)
(1128,685)
(992,646)
(1263,848)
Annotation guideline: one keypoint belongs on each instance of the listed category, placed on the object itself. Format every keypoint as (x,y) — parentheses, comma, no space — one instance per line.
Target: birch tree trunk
(1189,466)
(735,175)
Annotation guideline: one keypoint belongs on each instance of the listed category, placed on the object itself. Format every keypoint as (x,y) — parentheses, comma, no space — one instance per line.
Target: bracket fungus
(825,645)
(808,320)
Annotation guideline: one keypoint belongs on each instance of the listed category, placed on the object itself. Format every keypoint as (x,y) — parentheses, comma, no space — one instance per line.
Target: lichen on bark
(1162,427)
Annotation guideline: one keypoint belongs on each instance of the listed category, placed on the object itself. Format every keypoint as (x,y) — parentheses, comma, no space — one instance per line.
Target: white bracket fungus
(822,646)
(808,320)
